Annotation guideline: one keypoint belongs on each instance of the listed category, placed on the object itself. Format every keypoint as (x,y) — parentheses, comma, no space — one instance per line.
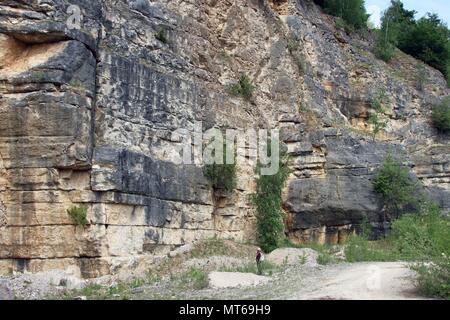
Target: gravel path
(362,281)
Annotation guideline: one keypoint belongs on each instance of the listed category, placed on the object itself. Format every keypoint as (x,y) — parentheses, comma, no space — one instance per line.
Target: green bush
(359,249)
(423,236)
(383,49)
(352,12)
(194,278)
(441,115)
(268,202)
(324,259)
(394,183)
(221,176)
(356,249)
(378,100)
(434,278)
(78,215)
(342,24)
(243,88)
(378,123)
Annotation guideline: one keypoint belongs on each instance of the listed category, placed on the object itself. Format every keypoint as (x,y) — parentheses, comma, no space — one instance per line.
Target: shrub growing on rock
(221,176)
(377,118)
(394,183)
(78,215)
(441,115)
(359,249)
(243,88)
(342,24)
(378,124)
(383,49)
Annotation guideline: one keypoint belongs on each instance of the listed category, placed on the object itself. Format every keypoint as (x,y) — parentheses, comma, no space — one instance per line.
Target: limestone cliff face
(88,105)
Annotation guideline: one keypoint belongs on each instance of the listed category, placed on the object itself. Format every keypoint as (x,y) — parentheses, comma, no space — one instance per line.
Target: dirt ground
(294,275)
(356,281)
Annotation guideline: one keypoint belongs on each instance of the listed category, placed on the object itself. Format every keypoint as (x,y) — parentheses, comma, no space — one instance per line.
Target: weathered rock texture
(87,115)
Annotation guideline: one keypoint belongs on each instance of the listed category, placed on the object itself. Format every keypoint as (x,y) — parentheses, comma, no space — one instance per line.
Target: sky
(441,7)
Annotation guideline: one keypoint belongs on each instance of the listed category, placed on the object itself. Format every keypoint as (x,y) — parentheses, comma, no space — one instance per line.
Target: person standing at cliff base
(259,260)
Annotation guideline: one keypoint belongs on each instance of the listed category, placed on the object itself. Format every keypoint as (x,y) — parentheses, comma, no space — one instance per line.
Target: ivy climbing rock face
(269,212)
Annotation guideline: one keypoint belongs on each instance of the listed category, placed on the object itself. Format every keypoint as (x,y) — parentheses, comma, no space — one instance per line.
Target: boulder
(293,256)
(218,280)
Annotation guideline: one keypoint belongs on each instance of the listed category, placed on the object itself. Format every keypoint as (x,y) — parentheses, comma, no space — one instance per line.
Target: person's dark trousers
(259,266)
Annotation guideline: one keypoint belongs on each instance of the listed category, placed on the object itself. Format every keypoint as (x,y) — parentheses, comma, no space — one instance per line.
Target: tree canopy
(426,39)
(353,12)
(396,21)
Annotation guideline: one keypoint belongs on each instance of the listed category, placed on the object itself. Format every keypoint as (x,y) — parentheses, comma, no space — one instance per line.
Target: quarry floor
(356,281)
(231,263)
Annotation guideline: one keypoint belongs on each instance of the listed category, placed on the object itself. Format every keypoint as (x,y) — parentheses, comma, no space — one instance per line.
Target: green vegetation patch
(268,202)
(441,116)
(244,87)
(78,215)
